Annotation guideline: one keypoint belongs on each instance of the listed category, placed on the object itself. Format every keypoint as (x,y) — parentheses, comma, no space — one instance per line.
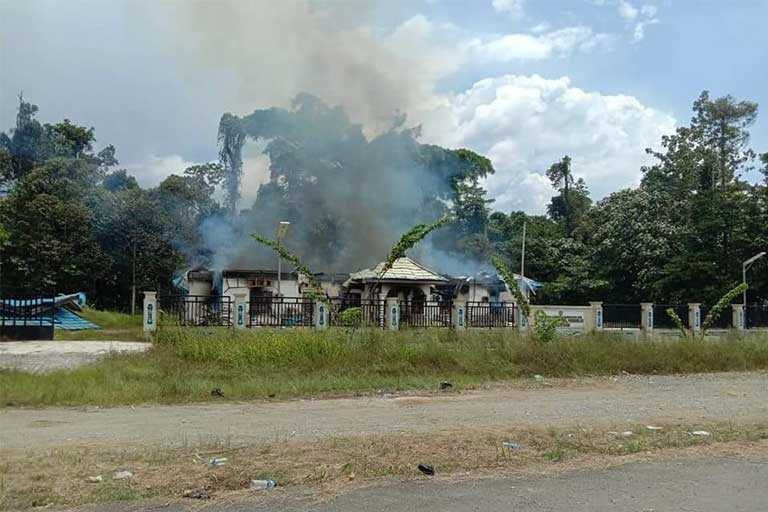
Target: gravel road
(609,402)
(45,356)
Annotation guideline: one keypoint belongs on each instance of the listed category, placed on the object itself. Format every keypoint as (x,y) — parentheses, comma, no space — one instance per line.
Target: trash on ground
(627,433)
(511,445)
(538,378)
(217,392)
(95,479)
(197,494)
(703,433)
(651,427)
(122,475)
(262,485)
(217,461)
(426,469)
(351,476)
(445,385)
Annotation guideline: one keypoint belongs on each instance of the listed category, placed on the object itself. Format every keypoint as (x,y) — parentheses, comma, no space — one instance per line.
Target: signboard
(574,315)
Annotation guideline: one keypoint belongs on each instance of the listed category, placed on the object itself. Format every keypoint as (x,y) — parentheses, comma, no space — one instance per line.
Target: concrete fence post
(739,322)
(459,314)
(241,311)
(694,317)
(646,316)
(522,321)
(150,311)
(320,315)
(392,314)
(597,316)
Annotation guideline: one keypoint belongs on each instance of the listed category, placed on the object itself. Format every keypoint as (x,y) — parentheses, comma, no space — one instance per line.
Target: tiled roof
(404,269)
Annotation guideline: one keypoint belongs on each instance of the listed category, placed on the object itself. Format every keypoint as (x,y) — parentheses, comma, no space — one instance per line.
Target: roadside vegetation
(186,364)
(60,476)
(113,326)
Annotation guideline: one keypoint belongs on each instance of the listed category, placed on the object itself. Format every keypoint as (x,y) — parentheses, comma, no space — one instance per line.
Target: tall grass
(186,363)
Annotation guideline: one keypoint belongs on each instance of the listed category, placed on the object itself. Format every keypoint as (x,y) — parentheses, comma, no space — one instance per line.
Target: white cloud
(627,11)
(556,43)
(514,8)
(525,123)
(649,11)
(639,32)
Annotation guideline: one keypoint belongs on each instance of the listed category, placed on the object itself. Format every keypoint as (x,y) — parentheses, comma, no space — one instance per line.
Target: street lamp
(282,230)
(744,267)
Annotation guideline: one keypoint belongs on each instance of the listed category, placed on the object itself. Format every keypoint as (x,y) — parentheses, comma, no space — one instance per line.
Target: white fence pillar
(320,315)
(522,321)
(694,317)
(459,314)
(739,322)
(646,316)
(597,316)
(241,311)
(150,311)
(392,307)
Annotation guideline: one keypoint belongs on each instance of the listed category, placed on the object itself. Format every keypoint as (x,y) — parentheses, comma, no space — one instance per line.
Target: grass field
(186,364)
(114,326)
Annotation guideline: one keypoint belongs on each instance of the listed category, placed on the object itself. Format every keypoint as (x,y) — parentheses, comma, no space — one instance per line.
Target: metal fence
(26,314)
(425,314)
(491,314)
(724,321)
(197,310)
(661,319)
(756,316)
(621,316)
(355,312)
(281,312)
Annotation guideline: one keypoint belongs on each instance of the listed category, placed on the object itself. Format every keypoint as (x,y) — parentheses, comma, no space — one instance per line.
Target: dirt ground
(44,356)
(603,402)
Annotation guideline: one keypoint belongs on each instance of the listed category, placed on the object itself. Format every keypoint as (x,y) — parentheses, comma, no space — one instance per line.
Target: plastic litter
(538,378)
(651,427)
(262,485)
(217,461)
(122,475)
(702,433)
(95,479)
(627,433)
(426,469)
(512,446)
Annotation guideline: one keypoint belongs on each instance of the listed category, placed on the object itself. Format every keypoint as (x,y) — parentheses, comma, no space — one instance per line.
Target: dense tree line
(73,220)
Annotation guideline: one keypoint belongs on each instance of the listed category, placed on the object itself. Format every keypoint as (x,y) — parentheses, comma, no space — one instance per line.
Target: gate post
(738,317)
(320,312)
(522,320)
(150,311)
(459,314)
(646,316)
(392,318)
(596,317)
(694,317)
(241,311)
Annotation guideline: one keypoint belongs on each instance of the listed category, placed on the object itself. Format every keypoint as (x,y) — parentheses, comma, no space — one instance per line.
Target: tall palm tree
(561,177)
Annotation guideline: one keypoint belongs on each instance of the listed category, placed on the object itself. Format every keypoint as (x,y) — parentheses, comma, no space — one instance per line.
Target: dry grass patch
(60,476)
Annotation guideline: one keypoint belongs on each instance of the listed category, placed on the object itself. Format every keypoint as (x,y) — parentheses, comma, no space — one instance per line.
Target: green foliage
(720,306)
(545,326)
(352,317)
(409,240)
(514,288)
(677,321)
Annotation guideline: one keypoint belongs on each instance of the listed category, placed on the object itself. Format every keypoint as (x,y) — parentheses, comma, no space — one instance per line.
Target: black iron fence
(281,312)
(197,310)
(425,314)
(356,312)
(491,314)
(756,316)
(621,316)
(724,321)
(26,314)
(661,320)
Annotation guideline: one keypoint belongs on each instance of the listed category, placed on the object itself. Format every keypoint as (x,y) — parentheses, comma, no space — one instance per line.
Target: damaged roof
(403,269)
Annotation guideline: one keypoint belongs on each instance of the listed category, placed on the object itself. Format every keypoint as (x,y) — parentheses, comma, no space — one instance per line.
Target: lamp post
(282,230)
(744,267)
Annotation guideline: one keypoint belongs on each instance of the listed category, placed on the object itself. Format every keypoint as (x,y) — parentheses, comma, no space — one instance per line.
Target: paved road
(597,403)
(699,484)
(44,356)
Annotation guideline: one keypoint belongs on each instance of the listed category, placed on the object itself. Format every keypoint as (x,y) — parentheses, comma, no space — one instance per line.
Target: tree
(573,199)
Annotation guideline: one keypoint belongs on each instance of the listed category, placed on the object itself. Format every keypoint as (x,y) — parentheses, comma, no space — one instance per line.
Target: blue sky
(521,81)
